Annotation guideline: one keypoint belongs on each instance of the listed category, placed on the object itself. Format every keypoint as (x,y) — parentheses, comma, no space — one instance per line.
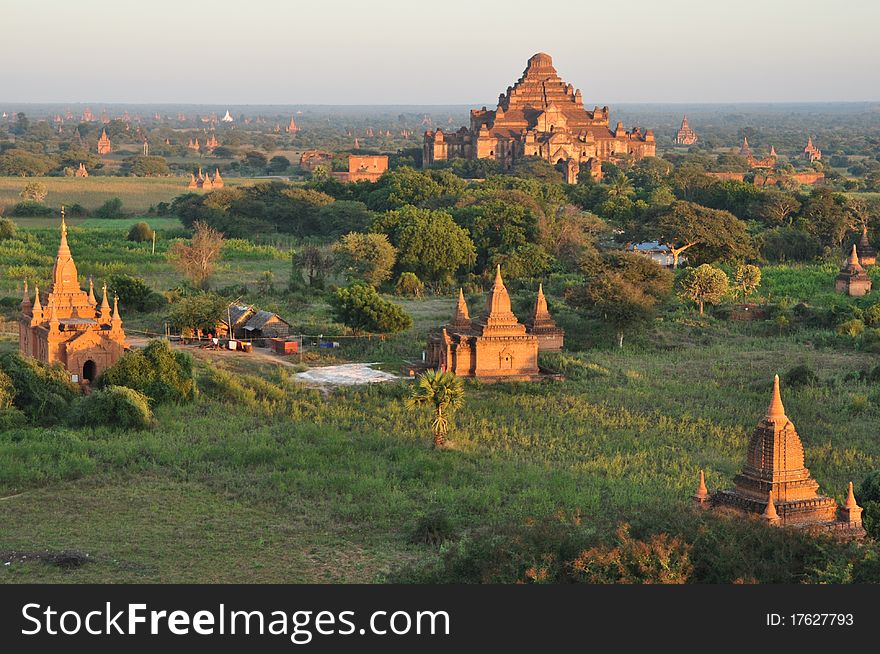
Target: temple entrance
(89,371)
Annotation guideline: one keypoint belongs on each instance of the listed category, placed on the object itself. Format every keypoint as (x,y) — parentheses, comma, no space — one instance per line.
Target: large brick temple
(67,326)
(542,116)
(775,485)
(494,346)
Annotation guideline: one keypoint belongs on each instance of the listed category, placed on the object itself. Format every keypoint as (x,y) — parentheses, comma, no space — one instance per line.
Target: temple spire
(770,514)
(701,497)
(37,309)
(116,321)
(542,313)
(853,257)
(25,297)
(104,313)
(776,410)
(851,498)
(92,299)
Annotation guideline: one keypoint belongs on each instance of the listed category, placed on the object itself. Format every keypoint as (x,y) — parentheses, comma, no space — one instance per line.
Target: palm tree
(444,393)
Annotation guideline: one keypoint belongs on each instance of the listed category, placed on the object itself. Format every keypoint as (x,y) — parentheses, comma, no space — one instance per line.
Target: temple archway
(90,371)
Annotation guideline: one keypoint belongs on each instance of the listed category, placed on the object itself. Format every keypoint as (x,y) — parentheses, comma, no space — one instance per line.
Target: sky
(447,52)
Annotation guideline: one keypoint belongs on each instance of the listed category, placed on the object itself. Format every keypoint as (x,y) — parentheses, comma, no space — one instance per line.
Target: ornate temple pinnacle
(702,492)
(770,514)
(853,257)
(851,498)
(776,410)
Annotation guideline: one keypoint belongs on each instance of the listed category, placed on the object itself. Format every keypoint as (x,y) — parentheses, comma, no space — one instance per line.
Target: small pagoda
(775,485)
(852,279)
(81,171)
(685,135)
(542,325)
(104,143)
(867,253)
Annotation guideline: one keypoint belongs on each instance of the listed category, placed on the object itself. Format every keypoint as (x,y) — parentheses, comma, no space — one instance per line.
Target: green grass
(138,194)
(621,439)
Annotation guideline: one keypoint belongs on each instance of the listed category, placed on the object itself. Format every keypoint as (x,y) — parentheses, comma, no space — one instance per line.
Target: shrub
(432,527)
(134,294)
(868,497)
(42,392)
(409,285)
(112,208)
(662,559)
(157,371)
(7,228)
(29,208)
(852,328)
(140,232)
(362,308)
(872,315)
(7,391)
(801,375)
(115,406)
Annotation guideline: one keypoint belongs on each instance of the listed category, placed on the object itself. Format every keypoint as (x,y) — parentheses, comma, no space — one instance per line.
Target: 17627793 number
(810,620)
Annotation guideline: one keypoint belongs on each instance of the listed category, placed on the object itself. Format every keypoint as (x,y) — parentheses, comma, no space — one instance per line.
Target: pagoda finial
(92,299)
(498,280)
(25,296)
(37,309)
(104,313)
(776,410)
(702,494)
(851,498)
(116,321)
(854,256)
(770,514)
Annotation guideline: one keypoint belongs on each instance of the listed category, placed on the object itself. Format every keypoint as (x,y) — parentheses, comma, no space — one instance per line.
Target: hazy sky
(446,52)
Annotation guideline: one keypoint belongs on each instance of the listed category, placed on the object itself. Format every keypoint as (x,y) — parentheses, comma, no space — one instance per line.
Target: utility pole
(154,242)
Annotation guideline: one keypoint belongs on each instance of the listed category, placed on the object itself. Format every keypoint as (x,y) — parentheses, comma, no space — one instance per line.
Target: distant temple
(205,182)
(66,326)
(81,171)
(291,127)
(775,485)
(194,145)
(104,143)
(540,116)
(745,150)
(685,135)
(311,159)
(542,325)
(866,252)
(811,152)
(227,118)
(852,279)
(493,347)
(212,142)
(364,168)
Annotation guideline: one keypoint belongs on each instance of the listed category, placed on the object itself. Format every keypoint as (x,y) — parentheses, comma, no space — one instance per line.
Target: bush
(157,371)
(7,391)
(409,285)
(872,314)
(134,294)
(800,376)
(140,233)
(868,497)
(362,308)
(7,228)
(852,328)
(115,406)
(29,208)
(112,208)
(42,392)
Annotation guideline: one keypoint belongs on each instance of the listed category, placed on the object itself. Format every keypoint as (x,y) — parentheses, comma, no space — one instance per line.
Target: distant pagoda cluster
(775,485)
(205,182)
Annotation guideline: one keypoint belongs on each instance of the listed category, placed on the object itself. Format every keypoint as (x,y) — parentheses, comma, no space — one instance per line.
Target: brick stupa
(867,253)
(775,485)
(493,347)
(685,135)
(542,325)
(852,278)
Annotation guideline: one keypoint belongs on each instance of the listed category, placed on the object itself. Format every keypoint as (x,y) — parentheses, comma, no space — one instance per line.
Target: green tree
(712,233)
(360,307)
(197,312)
(21,163)
(624,306)
(134,293)
(112,208)
(746,279)
(118,407)
(34,192)
(428,242)
(443,393)
(365,257)
(162,374)
(144,166)
(409,285)
(703,284)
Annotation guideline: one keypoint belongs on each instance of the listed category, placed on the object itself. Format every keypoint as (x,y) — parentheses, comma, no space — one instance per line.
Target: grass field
(329,486)
(138,194)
